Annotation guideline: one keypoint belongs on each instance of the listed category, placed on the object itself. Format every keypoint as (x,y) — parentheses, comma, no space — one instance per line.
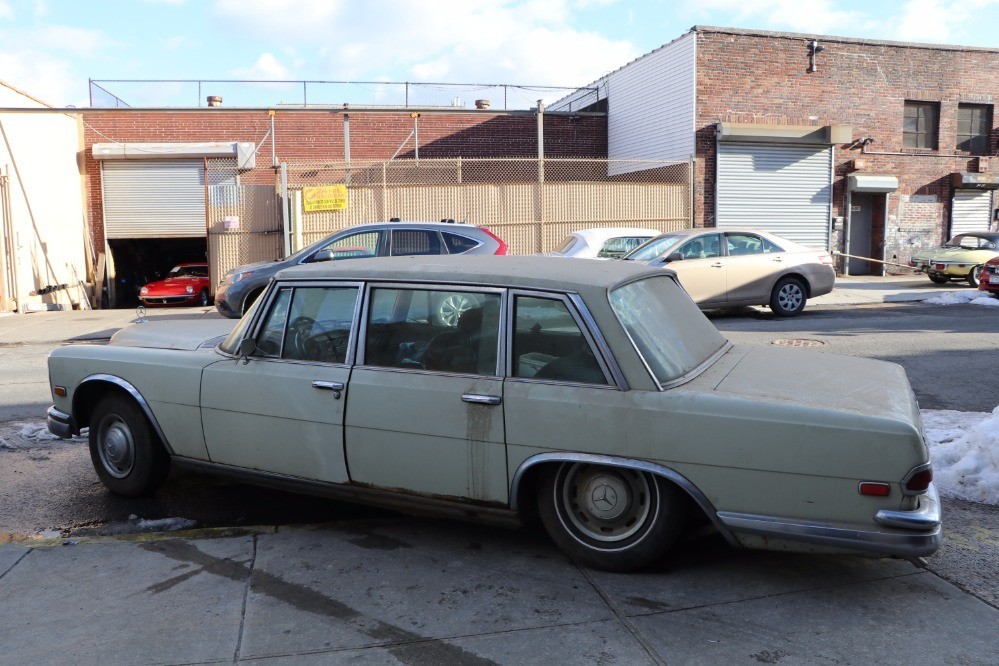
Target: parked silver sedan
(735,267)
(594,394)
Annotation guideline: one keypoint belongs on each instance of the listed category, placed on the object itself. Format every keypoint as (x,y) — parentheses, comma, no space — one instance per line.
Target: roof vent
(482,104)
(214,100)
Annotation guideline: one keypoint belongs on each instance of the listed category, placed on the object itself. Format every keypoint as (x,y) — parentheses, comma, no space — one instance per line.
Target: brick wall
(764,79)
(319,135)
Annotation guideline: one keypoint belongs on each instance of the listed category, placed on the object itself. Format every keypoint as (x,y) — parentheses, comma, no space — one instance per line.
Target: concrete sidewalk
(84,325)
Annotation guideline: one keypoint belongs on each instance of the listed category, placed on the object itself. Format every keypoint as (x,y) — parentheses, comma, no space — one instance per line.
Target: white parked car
(594,393)
(603,243)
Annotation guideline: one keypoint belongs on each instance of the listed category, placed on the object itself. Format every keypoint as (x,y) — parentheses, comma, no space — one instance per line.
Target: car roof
(411,223)
(524,271)
(990,235)
(781,240)
(604,233)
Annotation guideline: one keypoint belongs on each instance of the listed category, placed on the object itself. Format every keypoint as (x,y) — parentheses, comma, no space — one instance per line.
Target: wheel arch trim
(628,463)
(101,378)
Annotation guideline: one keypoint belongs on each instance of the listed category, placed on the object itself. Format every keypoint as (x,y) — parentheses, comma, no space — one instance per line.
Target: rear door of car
(426,412)
(751,270)
(281,409)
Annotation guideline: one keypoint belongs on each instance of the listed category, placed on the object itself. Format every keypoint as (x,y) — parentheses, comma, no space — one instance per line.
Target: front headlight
(236,277)
(189,289)
(143,291)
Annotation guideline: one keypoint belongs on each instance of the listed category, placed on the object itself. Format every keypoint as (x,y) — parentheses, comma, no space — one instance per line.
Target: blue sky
(50,48)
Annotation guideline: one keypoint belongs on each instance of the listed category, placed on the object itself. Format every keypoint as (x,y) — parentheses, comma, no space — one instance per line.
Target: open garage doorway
(137,261)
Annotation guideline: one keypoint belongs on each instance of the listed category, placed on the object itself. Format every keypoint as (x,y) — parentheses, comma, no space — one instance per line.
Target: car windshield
(668,330)
(188,271)
(656,247)
(973,242)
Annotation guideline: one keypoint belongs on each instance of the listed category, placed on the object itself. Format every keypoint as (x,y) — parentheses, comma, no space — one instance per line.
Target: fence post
(690,191)
(384,216)
(285,209)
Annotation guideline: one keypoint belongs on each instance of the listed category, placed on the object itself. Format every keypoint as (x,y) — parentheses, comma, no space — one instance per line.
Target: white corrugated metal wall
(971,210)
(783,189)
(651,106)
(153,198)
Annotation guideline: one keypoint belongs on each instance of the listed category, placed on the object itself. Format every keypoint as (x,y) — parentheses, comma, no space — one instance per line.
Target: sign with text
(324,197)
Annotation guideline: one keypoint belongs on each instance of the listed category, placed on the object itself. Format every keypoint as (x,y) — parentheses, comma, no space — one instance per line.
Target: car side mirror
(675,256)
(322,255)
(246,348)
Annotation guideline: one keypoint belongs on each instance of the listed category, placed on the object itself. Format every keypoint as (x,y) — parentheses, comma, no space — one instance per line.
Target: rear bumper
(907,534)
(59,423)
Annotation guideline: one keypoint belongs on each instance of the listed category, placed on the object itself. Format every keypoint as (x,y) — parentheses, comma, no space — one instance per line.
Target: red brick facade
(763,78)
(304,135)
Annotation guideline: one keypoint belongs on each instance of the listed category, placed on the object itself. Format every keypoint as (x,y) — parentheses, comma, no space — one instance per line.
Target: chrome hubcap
(452,308)
(605,504)
(115,446)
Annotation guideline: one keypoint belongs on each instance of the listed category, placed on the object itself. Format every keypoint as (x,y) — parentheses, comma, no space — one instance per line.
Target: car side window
(361,244)
(445,331)
(408,242)
(272,332)
(743,244)
(705,246)
(458,244)
(771,247)
(548,344)
(319,323)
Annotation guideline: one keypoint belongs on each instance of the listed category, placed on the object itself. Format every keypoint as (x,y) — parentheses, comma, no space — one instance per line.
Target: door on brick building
(867,234)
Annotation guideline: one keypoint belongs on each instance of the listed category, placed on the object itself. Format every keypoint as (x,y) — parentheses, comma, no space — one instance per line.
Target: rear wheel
(203,298)
(936,278)
(610,518)
(974,276)
(788,297)
(126,453)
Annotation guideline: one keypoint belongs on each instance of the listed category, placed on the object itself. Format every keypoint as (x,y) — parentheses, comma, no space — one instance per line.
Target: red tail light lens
(875,488)
(502,249)
(918,482)
(826,259)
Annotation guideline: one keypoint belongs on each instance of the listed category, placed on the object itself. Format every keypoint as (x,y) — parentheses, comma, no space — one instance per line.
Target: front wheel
(126,453)
(203,298)
(610,518)
(788,297)
(974,276)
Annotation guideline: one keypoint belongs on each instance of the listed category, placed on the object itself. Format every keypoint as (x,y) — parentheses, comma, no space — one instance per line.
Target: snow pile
(973,296)
(162,524)
(18,435)
(964,448)
(36,432)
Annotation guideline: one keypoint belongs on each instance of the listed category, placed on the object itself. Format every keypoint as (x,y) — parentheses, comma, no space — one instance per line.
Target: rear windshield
(670,332)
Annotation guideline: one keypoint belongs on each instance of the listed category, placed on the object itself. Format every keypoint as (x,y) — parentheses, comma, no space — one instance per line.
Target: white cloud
(266,67)
(936,21)
(5,11)
(41,61)
(816,16)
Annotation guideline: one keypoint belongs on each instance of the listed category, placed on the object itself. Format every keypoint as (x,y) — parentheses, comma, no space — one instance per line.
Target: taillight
(875,488)
(502,249)
(826,259)
(918,480)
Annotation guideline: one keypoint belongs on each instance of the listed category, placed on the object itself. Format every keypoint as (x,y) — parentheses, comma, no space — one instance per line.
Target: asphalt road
(950,354)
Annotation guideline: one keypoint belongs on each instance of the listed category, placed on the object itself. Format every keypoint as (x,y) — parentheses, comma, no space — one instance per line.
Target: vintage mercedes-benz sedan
(592,392)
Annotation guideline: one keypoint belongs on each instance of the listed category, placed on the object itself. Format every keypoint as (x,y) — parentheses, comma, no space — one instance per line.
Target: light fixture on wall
(814,48)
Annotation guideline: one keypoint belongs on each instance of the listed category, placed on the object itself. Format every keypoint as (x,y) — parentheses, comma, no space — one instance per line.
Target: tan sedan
(736,267)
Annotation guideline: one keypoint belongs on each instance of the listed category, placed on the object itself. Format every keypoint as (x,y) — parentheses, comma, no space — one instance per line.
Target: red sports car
(185,284)
(989,281)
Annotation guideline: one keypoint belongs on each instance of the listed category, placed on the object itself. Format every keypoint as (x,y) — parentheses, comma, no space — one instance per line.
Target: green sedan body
(592,393)
(961,258)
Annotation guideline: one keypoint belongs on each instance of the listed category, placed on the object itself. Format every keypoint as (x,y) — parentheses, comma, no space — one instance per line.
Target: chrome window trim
(428,285)
(629,463)
(575,306)
(134,392)
(424,371)
(691,374)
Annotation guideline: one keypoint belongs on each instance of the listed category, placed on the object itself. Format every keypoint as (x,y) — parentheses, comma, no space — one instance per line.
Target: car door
(702,269)
(751,270)
(281,408)
(425,413)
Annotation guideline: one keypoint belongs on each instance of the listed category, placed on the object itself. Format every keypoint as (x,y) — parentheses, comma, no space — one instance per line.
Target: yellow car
(961,258)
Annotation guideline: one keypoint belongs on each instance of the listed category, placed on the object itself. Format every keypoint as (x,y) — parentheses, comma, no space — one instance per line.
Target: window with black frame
(548,344)
(974,123)
(920,123)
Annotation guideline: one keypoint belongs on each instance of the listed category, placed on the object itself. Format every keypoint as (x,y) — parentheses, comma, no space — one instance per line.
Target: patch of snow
(38,432)
(165,524)
(18,435)
(972,296)
(964,448)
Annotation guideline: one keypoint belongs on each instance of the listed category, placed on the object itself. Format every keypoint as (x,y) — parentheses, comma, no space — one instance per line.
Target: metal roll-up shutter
(970,210)
(153,198)
(783,189)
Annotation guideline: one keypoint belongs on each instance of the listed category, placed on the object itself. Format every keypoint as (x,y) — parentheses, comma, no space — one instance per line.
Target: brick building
(871,148)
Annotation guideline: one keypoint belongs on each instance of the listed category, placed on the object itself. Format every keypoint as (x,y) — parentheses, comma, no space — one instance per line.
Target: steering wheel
(300,339)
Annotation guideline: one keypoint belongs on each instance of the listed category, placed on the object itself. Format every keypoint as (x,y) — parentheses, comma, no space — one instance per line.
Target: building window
(974,122)
(920,127)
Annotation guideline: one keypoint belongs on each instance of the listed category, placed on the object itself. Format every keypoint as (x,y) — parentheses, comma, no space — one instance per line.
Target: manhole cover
(797,342)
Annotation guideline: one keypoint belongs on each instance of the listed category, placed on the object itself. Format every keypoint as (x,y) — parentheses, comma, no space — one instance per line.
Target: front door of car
(425,413)
(282,409)
(702,269)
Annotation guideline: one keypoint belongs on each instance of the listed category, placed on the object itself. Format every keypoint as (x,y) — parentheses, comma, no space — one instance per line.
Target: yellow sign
(324,197)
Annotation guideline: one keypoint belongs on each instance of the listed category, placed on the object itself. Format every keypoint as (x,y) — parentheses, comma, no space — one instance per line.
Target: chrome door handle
(477,399)
(336,387)
(716,265)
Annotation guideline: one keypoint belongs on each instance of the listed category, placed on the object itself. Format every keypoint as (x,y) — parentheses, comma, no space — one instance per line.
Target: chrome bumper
(59,423)
(910,534)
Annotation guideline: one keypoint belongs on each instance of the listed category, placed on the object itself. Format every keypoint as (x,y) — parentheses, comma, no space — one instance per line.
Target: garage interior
(137,261)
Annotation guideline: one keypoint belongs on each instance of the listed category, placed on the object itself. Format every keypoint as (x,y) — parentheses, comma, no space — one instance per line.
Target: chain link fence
(317,94)
(531,204)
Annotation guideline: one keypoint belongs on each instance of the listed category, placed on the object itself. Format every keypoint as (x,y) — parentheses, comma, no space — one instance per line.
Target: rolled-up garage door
(971,210)
(153,198)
